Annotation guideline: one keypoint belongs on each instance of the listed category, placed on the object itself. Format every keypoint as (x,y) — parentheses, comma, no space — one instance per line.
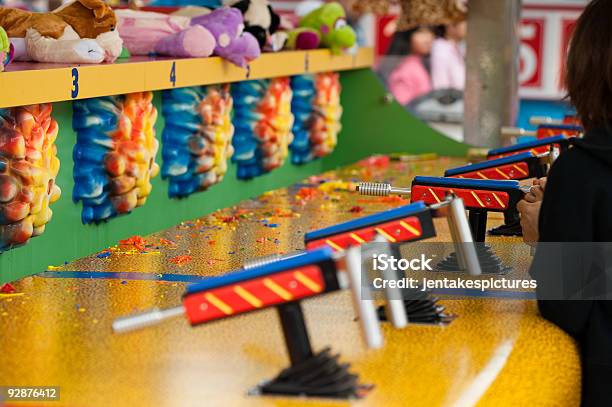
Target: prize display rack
(371,123)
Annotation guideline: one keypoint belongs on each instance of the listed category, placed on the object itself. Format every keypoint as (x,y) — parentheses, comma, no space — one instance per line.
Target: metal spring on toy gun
(380,189)
(262,261)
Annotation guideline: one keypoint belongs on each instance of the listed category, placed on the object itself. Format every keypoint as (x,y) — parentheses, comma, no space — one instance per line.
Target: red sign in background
(531,33)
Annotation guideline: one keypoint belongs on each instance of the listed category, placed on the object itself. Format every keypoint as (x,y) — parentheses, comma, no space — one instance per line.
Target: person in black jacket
(574,279)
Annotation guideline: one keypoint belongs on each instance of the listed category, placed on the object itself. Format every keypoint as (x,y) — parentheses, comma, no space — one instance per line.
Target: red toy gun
(283,284)
(537,147)
(567,119)
(401,225)
(479,197)
(543,131)
(517,166)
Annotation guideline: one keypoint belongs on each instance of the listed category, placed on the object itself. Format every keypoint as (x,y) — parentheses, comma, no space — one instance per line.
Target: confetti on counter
(376,161)
(337,185)
(7,288)
(181,260)
(306,194)
(104,254)
(137,241)
(166,242)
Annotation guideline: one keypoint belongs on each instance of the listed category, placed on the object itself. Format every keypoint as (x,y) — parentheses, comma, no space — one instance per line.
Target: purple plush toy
(146,33)
(226,24)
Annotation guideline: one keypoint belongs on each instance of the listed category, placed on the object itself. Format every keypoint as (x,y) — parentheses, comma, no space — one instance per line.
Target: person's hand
(530,213)
(536,194)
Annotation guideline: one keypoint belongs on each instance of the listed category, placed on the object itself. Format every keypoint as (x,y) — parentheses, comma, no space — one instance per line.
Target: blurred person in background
(448,57)
(405,68)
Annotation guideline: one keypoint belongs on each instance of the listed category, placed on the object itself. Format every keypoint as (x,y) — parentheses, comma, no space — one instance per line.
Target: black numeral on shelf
(74,92)
(173,74)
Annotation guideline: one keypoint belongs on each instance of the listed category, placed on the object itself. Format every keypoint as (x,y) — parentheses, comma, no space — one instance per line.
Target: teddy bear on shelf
(226,25)
(259,20)
(80,31)
(147,33)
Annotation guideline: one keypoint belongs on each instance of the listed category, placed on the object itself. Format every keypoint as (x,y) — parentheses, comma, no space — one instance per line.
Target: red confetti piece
(212,242)
(7,289)
(261,240)
(306,193)
(180,260)
(137,241)
(356,209)
(166,242)
(283,214)
(377,161)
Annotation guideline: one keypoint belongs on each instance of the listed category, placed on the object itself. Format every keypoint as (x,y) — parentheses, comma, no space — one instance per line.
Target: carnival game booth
(122,184)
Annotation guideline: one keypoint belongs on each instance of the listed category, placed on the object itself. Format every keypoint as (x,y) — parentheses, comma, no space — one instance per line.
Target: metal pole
(492,61)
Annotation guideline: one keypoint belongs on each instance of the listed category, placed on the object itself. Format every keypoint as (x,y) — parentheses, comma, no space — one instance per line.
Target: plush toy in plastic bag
(146,33)
(79,31)
(263,122)
(328,23)
(197,137)
(226,25)
(114,156)
(6,50)
(317,111)
(28,168)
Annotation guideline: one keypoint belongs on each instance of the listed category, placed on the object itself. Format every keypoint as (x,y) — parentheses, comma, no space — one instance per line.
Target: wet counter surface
(55,329)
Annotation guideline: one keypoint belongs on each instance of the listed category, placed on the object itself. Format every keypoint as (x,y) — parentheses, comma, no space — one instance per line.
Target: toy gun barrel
(146,319)
(516,132)
(380,189)
(539,120)
(262,261)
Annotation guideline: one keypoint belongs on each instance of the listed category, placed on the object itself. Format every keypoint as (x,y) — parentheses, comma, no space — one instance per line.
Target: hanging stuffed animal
(197,137)
(28,169)
(263,122)
(80,31)
(226,25)
(146,33)
(259,19)
(317,111)
(114,154)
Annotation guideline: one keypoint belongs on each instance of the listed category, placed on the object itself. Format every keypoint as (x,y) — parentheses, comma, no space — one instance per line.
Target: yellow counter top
(57,333)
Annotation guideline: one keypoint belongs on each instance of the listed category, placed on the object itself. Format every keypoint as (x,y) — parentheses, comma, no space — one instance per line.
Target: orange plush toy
(80,31)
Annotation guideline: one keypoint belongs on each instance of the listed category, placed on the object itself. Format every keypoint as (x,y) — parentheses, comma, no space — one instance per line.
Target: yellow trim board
(30,83)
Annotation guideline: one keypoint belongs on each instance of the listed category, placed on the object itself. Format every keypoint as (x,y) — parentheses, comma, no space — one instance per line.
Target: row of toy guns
(334,260)
(492,185)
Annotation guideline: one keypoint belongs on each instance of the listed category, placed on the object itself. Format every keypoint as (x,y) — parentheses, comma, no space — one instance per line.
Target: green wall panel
(370,126)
